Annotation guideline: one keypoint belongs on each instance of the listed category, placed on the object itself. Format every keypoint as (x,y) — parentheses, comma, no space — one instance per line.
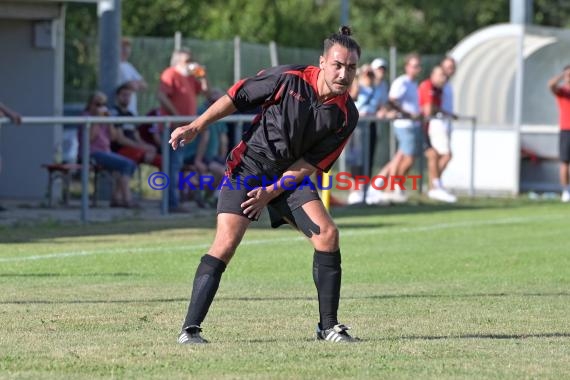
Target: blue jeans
(175,157)
(114,162)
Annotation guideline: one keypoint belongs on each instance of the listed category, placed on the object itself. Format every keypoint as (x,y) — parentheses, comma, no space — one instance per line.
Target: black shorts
(281,209)
(565,146)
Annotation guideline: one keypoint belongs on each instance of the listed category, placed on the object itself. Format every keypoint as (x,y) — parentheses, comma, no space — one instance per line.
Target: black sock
(327,275)
(206,282)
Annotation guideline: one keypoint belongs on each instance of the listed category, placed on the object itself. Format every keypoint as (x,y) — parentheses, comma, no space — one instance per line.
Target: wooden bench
(65,171)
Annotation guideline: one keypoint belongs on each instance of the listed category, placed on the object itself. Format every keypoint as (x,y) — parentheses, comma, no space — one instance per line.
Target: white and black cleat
(337,334)
(191,335)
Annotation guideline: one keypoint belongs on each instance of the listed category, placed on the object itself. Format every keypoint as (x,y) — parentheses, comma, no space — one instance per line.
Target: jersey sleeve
(324,155)
(255,91)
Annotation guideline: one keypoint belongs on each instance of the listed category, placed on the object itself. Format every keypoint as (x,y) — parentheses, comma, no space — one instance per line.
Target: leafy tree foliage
(425,26)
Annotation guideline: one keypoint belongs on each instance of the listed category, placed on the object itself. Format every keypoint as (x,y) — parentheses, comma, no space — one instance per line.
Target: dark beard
(333,91)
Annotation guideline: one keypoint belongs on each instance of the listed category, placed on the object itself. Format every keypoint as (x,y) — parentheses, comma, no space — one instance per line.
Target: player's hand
(183,135)
(258,199)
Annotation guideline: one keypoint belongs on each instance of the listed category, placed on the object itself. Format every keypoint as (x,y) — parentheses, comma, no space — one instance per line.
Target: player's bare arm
(260,197)
(186,133)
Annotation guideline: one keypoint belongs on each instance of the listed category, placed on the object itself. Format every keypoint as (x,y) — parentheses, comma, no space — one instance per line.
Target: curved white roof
(484,84)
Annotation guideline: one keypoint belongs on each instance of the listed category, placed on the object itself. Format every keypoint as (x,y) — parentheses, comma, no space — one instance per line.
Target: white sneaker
(399,196)
(565,196)
(356,196)
(376,197)
(442,195)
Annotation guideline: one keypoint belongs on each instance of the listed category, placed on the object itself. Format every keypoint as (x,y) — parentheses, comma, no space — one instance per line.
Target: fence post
(393,63)
(85,164)
(238,132)
(237,58)
(177,40)
(273,54)
(109,12)
(472,161)
(420,152)
(366,125)
(166,169)
(393,71)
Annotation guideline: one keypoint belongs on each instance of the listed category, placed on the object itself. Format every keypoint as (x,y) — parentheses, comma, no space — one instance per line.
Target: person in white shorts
(441,139)
(436,132)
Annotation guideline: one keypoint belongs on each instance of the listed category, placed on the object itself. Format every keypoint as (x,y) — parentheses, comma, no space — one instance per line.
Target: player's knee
(329,235)
(224,249)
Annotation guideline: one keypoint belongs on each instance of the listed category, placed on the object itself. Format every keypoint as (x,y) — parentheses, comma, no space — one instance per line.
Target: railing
(85,122)
(472,126)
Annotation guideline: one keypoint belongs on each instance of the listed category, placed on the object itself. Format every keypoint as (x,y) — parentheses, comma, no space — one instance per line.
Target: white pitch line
(351,233)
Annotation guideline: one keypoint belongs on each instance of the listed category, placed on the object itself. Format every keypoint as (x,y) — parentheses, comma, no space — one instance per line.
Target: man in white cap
(379,66)
(373,103)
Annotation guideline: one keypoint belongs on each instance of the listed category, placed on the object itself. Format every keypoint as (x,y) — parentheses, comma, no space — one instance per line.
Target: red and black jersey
(293,124)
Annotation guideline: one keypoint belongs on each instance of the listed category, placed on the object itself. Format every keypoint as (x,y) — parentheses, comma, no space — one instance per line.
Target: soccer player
(562,93)
(306,119)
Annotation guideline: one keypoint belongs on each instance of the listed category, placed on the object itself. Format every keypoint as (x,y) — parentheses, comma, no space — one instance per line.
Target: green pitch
(479,290)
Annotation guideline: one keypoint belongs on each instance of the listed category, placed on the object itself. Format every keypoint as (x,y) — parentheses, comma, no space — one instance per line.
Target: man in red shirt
(430,94)
(562,93)
(180,85)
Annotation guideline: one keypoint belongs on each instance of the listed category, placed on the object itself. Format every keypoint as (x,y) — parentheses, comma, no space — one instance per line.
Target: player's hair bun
(345,30)
(342,38)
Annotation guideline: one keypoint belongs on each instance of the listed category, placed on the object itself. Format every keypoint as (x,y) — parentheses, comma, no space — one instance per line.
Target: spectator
(443,143)
(381,87)
(449,66)
(152,133)
(180,85)
(371,99)
(129,74)
(436,135)
(562,93)
(128,142)
(217,147)
(366,104)
(209,149)
(100,137)
(14,118)
(403,98)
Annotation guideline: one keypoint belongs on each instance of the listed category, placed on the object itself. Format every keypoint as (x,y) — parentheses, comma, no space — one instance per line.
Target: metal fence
(226,61)
(86,122)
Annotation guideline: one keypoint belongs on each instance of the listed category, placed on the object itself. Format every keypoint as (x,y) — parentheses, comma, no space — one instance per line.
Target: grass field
(478,290)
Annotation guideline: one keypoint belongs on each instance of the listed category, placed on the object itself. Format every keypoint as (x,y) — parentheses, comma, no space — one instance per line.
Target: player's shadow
(222,298)
(47,274)
(481,336)
(58,229)
(409,208)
